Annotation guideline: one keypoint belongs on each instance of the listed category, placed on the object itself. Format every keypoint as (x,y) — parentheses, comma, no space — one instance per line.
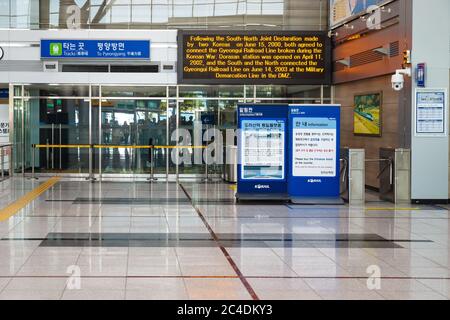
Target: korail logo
(314,180)
(262,186)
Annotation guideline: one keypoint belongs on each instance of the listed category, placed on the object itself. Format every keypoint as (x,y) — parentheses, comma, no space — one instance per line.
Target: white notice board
(431,113)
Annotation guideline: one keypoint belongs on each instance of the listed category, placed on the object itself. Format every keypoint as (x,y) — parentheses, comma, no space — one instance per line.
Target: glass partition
(107,129)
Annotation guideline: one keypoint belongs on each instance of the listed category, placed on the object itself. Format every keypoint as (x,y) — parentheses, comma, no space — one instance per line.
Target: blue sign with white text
(95,49)
(314,151)
(4,93)
(262,150)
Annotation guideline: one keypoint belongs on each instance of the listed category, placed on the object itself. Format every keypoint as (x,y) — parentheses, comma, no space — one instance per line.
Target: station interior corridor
(69,239)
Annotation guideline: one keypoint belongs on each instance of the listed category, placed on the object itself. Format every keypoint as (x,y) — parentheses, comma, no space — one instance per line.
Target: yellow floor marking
(233,187)
(21,203)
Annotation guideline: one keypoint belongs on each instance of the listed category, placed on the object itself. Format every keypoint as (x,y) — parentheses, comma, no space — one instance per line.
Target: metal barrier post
(152,162)
(11,168)
(206,179)
(53,149)
(91,161)
(33,156)
(47,155)
(206,166)
(60,150)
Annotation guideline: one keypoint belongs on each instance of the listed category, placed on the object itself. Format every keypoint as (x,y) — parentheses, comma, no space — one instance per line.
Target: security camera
(398,82)
(398,79)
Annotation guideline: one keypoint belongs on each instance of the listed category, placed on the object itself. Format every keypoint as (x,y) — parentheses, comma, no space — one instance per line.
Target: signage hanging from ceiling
(254,57)
(95,49)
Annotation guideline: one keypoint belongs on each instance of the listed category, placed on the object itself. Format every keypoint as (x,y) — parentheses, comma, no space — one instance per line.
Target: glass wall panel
(162,14)
(122,117)
(172,112)
(135,91)
(62,122)
(211,91)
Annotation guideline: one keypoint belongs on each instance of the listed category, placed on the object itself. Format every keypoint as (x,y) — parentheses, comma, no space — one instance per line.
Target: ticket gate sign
(314,140)
(262,152)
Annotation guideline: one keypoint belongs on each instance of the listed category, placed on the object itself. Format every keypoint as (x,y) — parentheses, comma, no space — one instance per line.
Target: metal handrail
(390,162)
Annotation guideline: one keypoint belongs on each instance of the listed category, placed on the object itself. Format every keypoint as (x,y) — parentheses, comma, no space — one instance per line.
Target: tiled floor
(82,240)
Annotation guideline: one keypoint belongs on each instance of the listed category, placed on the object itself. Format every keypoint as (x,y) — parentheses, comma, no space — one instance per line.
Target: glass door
(128,126)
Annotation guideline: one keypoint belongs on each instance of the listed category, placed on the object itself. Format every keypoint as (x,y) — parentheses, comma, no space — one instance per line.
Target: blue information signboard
(262,152)
(314,141)
(4,93)
(95,49)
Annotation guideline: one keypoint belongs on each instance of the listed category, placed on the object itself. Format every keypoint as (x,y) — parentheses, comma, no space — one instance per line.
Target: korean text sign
(95,49)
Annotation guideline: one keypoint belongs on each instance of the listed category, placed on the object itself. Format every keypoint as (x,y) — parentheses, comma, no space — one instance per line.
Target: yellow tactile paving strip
(22,202)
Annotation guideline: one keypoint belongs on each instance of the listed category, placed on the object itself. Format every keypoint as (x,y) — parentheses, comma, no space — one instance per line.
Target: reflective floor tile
(349,295)
(36,284)
(408,295)
(156,289)
(296,252)
(31,294)
(399,285)
(216,289)
(3,282)
(93,294)
(441,286)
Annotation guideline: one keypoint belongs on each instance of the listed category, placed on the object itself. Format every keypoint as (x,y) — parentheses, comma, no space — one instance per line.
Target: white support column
(430,44)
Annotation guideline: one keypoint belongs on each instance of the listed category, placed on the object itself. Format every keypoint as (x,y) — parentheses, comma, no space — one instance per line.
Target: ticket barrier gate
(395,173)
(353,176)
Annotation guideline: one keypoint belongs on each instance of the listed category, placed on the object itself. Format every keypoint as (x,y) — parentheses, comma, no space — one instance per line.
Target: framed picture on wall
(367,114)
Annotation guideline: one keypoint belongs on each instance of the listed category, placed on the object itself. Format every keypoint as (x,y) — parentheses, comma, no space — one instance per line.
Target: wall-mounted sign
(2,53)
(4,93)
(95,49)
(421,74)
(344,10)
(431,112)
(254,57)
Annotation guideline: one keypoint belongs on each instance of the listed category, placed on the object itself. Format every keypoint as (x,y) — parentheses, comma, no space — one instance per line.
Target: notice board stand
(314,141)
(262,154)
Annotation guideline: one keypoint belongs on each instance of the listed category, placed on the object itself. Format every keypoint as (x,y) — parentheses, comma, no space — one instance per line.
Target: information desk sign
(262,152)
(314,139)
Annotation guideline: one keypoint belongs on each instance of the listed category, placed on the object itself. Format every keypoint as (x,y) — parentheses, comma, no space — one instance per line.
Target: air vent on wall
(394,49)
(50,66)
(110,68)
(84,68)
(365,57)
(134,68)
